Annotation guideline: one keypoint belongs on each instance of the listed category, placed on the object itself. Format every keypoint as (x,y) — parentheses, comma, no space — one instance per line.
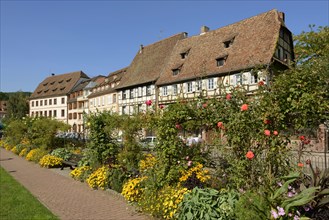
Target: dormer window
(221,61)
(175,72)
(228,43)
(52,83)
(68,80)
(60,81)
(184,54)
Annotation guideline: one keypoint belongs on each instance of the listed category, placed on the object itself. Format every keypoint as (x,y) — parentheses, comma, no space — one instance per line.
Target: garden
(243,168)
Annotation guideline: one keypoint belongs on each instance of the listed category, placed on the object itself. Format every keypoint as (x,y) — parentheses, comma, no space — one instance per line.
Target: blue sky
(98,37)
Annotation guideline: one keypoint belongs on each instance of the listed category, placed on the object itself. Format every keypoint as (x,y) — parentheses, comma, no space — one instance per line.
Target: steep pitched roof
(57,85)
(149,62)
(113,77)
(253,43)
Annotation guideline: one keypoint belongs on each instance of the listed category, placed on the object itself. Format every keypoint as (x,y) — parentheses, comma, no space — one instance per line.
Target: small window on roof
(45,84)
(54,89)
(68,80)
(175,72)
(184,54)
(52,83)
(221,61)
(60,81)
(228,43)
(62,88)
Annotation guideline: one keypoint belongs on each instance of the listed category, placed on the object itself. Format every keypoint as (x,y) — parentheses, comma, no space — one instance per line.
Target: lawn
(18,203)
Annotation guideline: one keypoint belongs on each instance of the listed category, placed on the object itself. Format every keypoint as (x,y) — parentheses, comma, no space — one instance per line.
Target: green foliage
(252,206)
(102,142)
(117,178)
(208,204)
(299,94)
(131,154)
(43,130)
(17,105)
(15,131)
(63,153)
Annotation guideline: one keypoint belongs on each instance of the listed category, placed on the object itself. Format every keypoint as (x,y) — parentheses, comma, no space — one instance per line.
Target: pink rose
(275,133)
(267,132)
(228,96)
(244,107)
(250,155)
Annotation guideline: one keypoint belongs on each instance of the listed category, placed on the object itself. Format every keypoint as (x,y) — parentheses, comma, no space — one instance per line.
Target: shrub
(50,161)
(117,178)
(132,189)
(81,173)
(14,150)
(24,152)
(99,178)
(208,204)
(147,163)
(36,154)
(195,176)
(63,153)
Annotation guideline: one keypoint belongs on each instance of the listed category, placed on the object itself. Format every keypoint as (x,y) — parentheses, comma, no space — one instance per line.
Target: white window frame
(211,83)
(189,87)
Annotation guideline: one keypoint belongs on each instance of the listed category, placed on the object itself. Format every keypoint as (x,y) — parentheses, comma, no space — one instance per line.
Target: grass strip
(18,203)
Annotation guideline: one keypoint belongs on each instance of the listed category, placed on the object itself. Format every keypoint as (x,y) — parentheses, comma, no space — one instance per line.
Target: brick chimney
(204,29)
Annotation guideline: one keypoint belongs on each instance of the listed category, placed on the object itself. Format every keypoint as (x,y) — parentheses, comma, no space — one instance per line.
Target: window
(198,85)
(45,113)
(238,79)
(175,72)
(50,113)
(124,110)
(221,61)
(189,87)
(55,101)
(41,102)
(253,77)
(46,102)
(63,100)
(165,91)
(211,84)
(40,112)
(148,90)
(140,91)
(228,43)
(32,103)
(55,113)
(114,98)
(124,95)
(63,113)
(50,101)
(174,89)
(131,94)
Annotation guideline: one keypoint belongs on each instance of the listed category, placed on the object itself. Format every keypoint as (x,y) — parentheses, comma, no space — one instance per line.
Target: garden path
(65,197)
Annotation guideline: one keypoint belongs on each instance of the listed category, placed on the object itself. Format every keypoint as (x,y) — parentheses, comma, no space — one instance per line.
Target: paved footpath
(65,197)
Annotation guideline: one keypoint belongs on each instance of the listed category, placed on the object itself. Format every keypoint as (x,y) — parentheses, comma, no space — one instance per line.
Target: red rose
(148,102)
(261,83)
(161,106)
(178,126)
(267,121)
(267,132)
(244,107)
(300,164)
(205,105)
(250,155)
(220,125)
(302,137)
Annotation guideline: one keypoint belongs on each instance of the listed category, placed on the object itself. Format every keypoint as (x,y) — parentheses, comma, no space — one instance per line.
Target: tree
(18,106)
(300,95)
